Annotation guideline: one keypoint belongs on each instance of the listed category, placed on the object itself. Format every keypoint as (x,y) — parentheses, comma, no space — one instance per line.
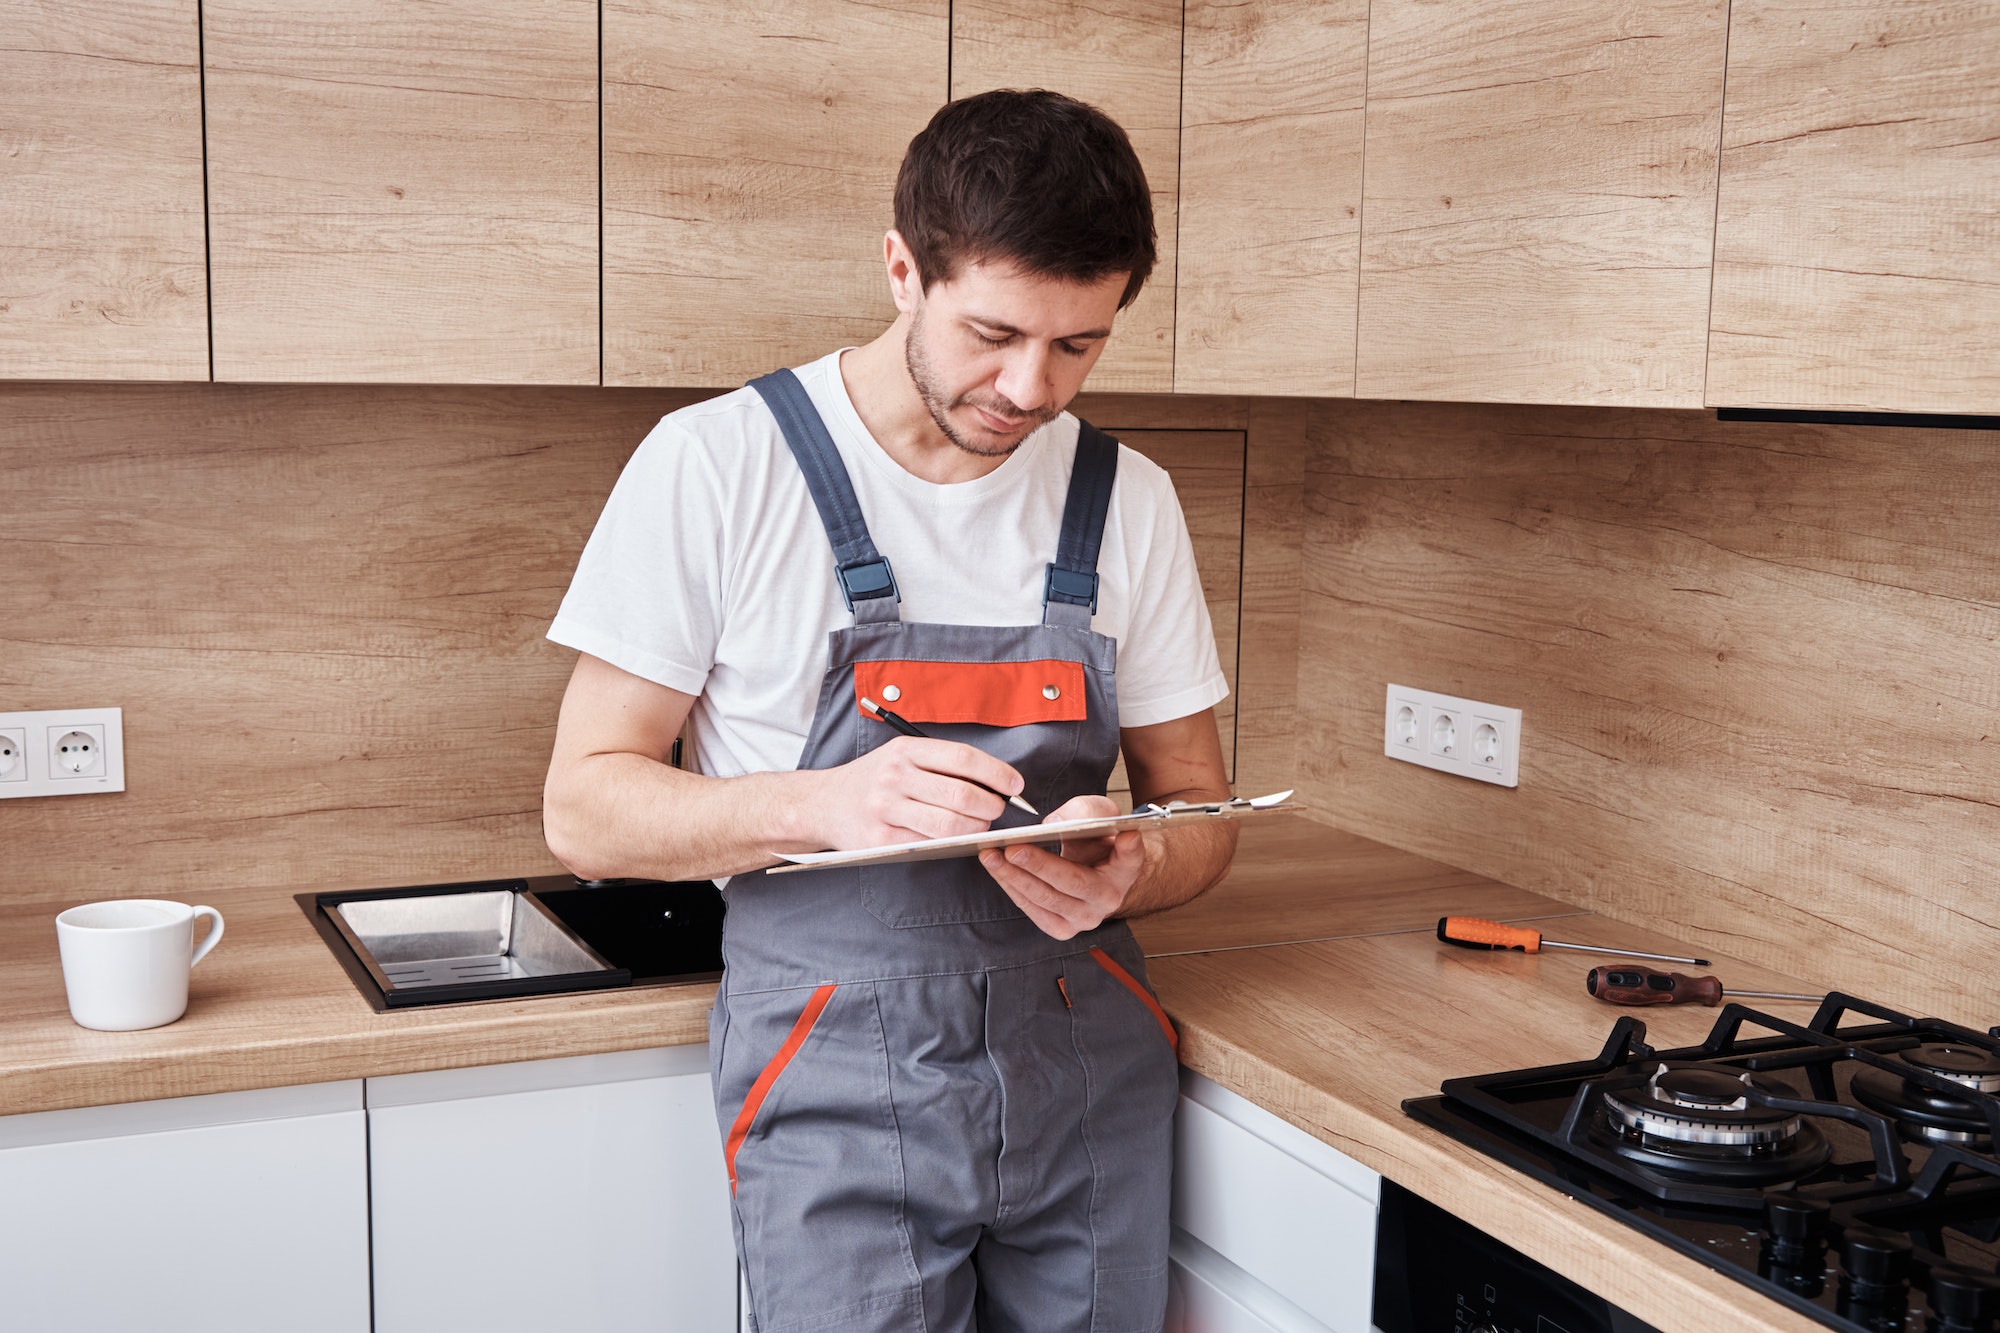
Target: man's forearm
(620,815)
(1180,863)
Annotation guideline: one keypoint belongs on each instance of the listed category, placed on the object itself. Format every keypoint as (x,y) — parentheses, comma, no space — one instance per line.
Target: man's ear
(906,284)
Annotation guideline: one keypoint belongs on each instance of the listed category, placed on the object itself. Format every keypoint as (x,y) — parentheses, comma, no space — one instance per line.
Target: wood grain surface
(1207,472)
(403,193)
(322,611)
(1540,200)
(1267,672)
(102,270)
(1756,663)
(1123,57)
(750,156)
(272,1007)
(1295,880)
(1270,196)
(1858,231)
(1333,1036)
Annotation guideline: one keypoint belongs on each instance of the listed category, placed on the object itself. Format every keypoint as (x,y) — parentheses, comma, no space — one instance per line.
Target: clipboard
(971,844)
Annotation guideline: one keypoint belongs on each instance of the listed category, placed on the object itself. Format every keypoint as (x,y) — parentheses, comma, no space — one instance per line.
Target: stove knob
(1797,1221)
(1874,1263)
(1962,1301)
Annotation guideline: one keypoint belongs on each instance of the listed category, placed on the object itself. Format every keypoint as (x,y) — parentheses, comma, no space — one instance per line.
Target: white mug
(126,963)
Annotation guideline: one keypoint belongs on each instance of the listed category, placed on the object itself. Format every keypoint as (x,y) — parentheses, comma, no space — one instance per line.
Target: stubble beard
(939,402)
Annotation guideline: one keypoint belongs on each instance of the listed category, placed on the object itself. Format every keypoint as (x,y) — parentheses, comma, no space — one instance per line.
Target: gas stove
(1845,1167)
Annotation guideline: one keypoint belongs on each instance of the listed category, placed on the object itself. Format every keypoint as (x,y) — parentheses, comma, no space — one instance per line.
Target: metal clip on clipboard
(971,844)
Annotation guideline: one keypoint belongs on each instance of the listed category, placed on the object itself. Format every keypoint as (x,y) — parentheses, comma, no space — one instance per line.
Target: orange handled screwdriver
(1624,985)
(1474,932)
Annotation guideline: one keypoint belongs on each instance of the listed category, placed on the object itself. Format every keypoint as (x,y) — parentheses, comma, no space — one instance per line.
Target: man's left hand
(1079,890)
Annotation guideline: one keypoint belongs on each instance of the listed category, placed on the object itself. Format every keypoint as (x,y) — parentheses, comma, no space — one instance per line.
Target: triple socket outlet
(1453,735)
(62,752)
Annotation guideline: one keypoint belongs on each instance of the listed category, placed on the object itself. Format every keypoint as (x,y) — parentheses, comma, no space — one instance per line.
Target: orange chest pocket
(997,694)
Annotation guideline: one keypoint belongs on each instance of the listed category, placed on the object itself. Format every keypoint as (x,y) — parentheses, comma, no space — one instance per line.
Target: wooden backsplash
(322,609)
(1760,667)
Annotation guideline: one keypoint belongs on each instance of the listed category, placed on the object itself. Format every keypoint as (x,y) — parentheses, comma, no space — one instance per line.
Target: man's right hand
(908,790)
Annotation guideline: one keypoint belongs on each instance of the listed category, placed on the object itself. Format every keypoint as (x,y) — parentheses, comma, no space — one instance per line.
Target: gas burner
(1928,1115)
(1694,1104)
(1710,1122)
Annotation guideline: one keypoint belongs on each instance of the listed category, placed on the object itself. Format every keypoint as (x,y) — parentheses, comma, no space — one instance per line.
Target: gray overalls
(935,1116)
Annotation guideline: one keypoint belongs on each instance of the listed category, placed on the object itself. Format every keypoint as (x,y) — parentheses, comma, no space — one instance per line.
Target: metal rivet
(891,693)
(1051,692)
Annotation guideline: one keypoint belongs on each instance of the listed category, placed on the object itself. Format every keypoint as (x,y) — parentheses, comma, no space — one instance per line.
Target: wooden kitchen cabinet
(1857,249)
(240,1212)
(1540,200)
(583,1193)
(403,193)
(1124,57)
(750,156)
(1270,196)
(1273,1229)
(102,275)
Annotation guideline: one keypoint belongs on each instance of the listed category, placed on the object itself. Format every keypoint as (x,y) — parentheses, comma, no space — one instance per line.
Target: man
(945,1088)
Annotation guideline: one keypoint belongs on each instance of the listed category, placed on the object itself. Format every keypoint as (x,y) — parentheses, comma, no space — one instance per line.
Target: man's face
(995,352)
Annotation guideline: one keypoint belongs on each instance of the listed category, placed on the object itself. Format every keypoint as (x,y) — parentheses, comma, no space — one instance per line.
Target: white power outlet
(1453,735)
(62,752)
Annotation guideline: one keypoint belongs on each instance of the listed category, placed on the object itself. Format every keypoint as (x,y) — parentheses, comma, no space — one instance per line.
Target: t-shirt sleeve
(1167,663)
(648,592)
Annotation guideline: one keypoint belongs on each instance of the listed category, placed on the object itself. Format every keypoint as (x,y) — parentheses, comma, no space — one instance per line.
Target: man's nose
(1024,380)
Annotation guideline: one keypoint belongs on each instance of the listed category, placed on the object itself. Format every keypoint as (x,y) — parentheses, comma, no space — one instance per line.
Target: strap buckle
(865,580)
(1071,586)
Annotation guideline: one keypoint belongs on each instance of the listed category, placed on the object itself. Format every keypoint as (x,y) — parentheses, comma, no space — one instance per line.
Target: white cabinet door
(583,1193)
(1276,1204)
(1208,1294)
(241,1212)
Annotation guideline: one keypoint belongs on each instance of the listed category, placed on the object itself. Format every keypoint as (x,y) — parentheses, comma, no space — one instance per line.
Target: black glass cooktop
(1845,1167)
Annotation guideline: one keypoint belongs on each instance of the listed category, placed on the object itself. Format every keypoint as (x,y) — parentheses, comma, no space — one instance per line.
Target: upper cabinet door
(1857,244)
(102,274)
(750,166)
(1540,201)
(1270,204)
(403,193)
(1123,57)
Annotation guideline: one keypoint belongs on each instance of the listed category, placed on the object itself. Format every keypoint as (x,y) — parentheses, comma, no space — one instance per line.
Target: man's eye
(1001,341)
(1073,349)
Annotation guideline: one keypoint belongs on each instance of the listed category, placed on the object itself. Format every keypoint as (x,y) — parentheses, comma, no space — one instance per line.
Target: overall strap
(1069,594)
(865,578)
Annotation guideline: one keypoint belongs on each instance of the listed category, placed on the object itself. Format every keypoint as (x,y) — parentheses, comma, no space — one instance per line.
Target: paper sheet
(971,844)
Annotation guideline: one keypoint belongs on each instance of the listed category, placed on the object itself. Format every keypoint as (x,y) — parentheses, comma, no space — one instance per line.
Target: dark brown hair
(1034,177)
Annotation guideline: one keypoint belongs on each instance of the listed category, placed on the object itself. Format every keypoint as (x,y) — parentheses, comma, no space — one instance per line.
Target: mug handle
(209,940)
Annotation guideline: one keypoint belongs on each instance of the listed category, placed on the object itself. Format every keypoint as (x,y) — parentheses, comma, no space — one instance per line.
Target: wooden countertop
(1333,1036)
(1310,981)
(271,1007)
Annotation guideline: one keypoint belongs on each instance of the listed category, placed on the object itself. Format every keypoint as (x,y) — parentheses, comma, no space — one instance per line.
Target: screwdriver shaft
(1623,953)
(1771,995)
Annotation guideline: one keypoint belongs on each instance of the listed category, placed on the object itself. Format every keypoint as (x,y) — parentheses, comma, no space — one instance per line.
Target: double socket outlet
(1453,735)
(62,752)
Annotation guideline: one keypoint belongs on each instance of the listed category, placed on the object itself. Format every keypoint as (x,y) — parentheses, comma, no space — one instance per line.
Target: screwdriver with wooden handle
(1625,985)
(1475,932)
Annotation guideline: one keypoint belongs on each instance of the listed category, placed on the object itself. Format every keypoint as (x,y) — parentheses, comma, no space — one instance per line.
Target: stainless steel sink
(445,939)
(537,935)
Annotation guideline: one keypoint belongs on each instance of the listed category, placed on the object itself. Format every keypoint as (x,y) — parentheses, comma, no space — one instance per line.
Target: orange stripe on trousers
(762,1087)
(1132,984)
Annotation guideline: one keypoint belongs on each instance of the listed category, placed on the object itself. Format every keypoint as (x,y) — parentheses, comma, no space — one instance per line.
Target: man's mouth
(999,425)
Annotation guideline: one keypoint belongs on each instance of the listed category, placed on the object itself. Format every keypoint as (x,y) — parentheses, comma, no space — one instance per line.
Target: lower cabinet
(1274,1231)
(242,1212)
(583,1193)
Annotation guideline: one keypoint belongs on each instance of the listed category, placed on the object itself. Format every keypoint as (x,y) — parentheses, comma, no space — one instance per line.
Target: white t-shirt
(709,571)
